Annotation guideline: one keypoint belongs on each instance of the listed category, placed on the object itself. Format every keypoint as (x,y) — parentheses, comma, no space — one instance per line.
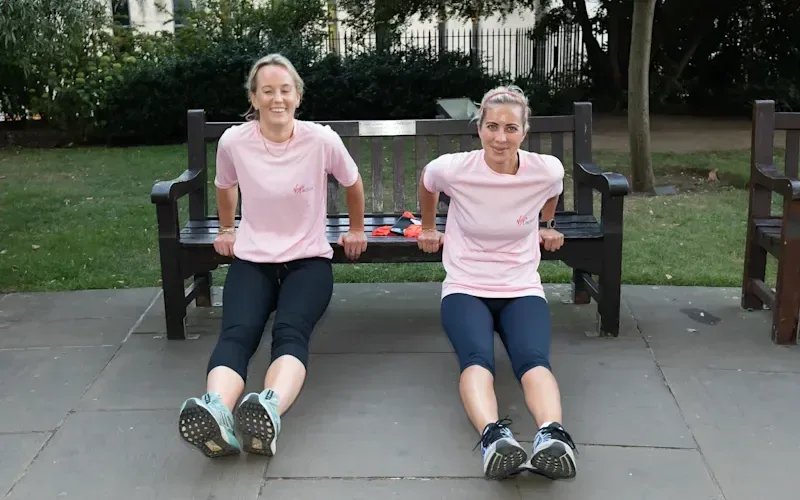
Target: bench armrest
(607,183)
(769,177)
(170,191)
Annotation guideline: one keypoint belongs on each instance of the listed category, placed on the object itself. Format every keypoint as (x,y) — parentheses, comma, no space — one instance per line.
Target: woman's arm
(549,208)
(354,195)
(427,203)
(227,200)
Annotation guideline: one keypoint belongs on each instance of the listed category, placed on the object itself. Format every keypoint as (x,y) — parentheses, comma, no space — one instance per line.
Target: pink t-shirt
(284,190)
(491,241)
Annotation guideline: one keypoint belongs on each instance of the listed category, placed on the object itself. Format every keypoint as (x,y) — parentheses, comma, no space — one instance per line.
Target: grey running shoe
(258,422)
(502,454)
(552,454)
(207,424)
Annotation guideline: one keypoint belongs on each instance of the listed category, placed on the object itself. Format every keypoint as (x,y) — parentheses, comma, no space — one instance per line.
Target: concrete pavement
(692,401)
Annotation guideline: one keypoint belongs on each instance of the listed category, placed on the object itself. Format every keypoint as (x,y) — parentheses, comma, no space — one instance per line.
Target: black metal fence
(507,50)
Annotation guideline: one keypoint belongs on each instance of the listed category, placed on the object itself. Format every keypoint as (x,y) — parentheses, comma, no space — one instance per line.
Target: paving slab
(604,472)
(411,403)
(199,320)
(151,372)
(404,317)
(18,451)
(694,327)
(133,455)
(39,386)
(81,304)
(394,488)
(745,424)
(65,333)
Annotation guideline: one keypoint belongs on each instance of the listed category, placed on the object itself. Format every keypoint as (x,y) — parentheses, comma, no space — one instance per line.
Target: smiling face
(502,132)
(275,95)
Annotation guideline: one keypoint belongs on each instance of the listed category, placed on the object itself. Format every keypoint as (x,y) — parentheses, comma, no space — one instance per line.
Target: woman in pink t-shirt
(491,253)
(281,259)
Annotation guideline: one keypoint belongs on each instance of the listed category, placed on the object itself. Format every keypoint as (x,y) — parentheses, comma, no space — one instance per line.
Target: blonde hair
(271,60)
(510,94)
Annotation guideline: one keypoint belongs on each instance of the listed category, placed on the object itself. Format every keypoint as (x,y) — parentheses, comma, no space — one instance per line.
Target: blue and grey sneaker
(207,424)
(552,454)
(502,454)
(258,422)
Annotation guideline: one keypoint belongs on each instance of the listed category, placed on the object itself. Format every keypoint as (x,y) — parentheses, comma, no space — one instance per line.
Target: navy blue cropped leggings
(298,292)
(523,325)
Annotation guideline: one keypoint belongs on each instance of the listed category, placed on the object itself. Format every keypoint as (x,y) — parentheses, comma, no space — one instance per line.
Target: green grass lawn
(82,218)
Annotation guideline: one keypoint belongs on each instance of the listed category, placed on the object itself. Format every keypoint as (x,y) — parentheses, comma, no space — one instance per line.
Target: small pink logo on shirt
(300,188)
(522,220)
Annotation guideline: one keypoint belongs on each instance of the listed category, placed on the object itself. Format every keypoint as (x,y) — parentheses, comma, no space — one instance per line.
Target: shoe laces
(494,431)
(556,431)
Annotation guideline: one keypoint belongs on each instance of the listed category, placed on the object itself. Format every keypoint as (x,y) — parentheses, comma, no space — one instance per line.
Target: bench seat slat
(574,227)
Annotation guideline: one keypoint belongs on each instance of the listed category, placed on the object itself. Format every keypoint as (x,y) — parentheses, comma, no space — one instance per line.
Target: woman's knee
(525,330)
(291,335)
(233,353)
(469,325)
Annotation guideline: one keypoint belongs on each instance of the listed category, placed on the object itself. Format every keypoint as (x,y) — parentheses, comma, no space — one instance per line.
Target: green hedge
(148,105)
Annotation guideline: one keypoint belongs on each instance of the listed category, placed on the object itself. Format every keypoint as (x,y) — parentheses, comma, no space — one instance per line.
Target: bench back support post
(198,200)
(582,153)
(761,153)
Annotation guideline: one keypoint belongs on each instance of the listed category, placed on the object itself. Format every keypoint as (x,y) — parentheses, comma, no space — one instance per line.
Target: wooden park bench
(774,234)
(592,247)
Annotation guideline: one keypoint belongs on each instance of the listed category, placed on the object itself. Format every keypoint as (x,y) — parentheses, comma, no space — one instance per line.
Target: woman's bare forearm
(227,199)
(549,209)
(427,204)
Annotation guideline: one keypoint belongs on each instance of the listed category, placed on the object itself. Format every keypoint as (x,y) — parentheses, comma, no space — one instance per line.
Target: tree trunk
(643,179)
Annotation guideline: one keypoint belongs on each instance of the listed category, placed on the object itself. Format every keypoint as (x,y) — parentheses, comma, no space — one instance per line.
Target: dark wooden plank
(435,127)
(582,153)
(575,227)
(465,143)
(398,158)
(792,154)
(557,150)
(421,159)
(535,142)
(787,121)
(376,161)
(333,196)
(763,292)
(198,200)
(443,145)
(562,219)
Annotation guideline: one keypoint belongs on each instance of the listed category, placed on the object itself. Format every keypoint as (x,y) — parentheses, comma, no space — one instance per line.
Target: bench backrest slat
(792,153)
(396,151)
(766,122)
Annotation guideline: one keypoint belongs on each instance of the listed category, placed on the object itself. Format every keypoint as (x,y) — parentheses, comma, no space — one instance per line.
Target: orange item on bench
(412,231)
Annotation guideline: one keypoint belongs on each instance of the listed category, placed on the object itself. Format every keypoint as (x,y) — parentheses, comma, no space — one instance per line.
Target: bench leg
(610,284)
(580,294)
(203,296)
(172,286)
(755,267)
(786,308)
(175,309)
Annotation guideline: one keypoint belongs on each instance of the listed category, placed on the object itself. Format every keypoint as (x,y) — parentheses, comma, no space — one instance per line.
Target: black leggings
(523,324)
(298,292)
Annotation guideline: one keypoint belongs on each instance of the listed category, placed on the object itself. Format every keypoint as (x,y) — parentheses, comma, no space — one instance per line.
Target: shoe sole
(255,428)
(554,462)
(505,461)
(199,429)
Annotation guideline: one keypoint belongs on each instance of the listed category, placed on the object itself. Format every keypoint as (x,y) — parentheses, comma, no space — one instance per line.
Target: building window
(121,12)
(179,9)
